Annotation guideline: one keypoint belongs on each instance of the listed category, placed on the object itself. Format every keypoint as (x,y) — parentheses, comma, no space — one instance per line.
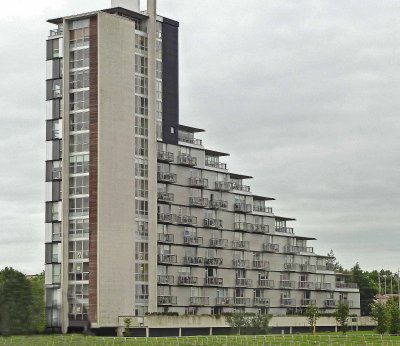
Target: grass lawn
(356,339)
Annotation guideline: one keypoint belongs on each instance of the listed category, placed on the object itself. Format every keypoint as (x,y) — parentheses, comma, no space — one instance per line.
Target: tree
(39,308)
(393,312)
(260,323)
(342,315)
(333,263)
(379,313)
(237,320)
(312,314)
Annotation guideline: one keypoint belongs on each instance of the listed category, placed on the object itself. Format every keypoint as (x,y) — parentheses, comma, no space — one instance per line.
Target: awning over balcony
(190,129)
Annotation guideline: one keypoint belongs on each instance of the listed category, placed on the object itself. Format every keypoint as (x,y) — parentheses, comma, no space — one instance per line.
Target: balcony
(166,218)
(240,244)
(190,140)
(218,243)
(166,259)
(243,282)
(284,229)
(323,286)
(212,223)
(287,284)
(213,262)
(166,300)
(330,303)
(288,302)
(165,279)
(165,156)
(307,302)
(346,285)
(326,267)
(229,301)
(199,183)
(305,285)
(165,197)
(218,204)
(242,207)
(242,301)
(262,209)
(268,247)
(243,226)
(187,220)
(239,263)
(262,265)
(193,240)
(266,283)
(165,238)
(261,301)
(347,302)
(186,160)
(240,187)
(56,173)
(166,177)
(198,202)
(223,185)
(187,280)
(199,301)
(213,281)
(218,165)
(300,267)
(297,249)
(193,260)
(257,228)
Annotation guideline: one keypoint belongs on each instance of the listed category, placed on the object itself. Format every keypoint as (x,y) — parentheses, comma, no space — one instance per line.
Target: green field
(355,339)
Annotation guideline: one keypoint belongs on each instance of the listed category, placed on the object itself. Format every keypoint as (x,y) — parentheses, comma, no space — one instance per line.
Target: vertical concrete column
(151,31)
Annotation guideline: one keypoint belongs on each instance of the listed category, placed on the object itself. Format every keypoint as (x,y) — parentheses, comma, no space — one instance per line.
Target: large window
(140,64)
(141,167)
(79,58)
(79,37)
(79,206)
(141,208)
(78,249)
(79,79)
(79,142)
(79,100)
(79,185)
(141,42)
(141,105)
(79,164)
(141,126)
(141,188)
(141,146)
(141,85)
(78,228)
(79,121)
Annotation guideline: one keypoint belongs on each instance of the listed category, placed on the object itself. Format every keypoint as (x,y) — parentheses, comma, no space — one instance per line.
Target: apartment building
(140,215)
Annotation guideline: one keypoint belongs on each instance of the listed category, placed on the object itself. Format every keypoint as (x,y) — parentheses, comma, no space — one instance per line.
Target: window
(159,110)
(79,37)
(79,164)
(159,69)
(141,85)
(142,229)
(141,126)
(79,58)
(141,167)
(79,142)
(78,249)
(79,121)
(79,100)
(159,30)
(141,272)
(141,208)
(159,90)
(79,79)
(141,64)
(79,185)
(141,251)
(141,146)
(78,228)
(142,292)
(141,42)
(159,49)
(79,206)
(141,188)
(54,89)
(141,105)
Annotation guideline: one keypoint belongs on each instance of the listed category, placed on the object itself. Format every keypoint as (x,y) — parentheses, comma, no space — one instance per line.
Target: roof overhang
(189,129)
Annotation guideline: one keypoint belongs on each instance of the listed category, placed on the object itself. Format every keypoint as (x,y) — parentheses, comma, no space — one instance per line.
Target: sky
(303,94)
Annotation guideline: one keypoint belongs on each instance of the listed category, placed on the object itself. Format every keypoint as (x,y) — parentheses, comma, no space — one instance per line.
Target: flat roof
(304,238)
(262,198)
(282,218)
(190,129)
(240,176)
(215,153)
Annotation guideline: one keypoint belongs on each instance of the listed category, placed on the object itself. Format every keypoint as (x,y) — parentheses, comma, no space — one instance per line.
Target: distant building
(140,215)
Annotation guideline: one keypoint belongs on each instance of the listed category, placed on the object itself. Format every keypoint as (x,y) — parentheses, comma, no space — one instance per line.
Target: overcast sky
(303,94)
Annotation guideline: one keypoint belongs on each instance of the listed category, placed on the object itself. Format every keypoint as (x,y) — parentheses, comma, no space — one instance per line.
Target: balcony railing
(198,182)
(186,160)
(287,284)
(193,260)
(242,207)
(268,247)
(199,301)
(257,228)
(330,303)
(166,300)
(213,281)
(323,286)
(218,204)
(213,261)
(266,283)
(218,242)
(56,32)
(167,259)
(223,185)
(259,264)
(166,218)
(243,226)
(198,202)
(240,244)
(288,302)
(326,267)
(306,285)
(240,187)
(218,165)
(166,197)
(191,140)
(212,223)
(165,156)
(284,229)
(187,280)
(297,249)
(261,301)
(262,209)
(224,301)
(307,302)
(300,267)
(187,220)
(242,301)
(346,285)
(192,240)
(166,177)
(165,238)
(239,263)
(165,279)
(243,282)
